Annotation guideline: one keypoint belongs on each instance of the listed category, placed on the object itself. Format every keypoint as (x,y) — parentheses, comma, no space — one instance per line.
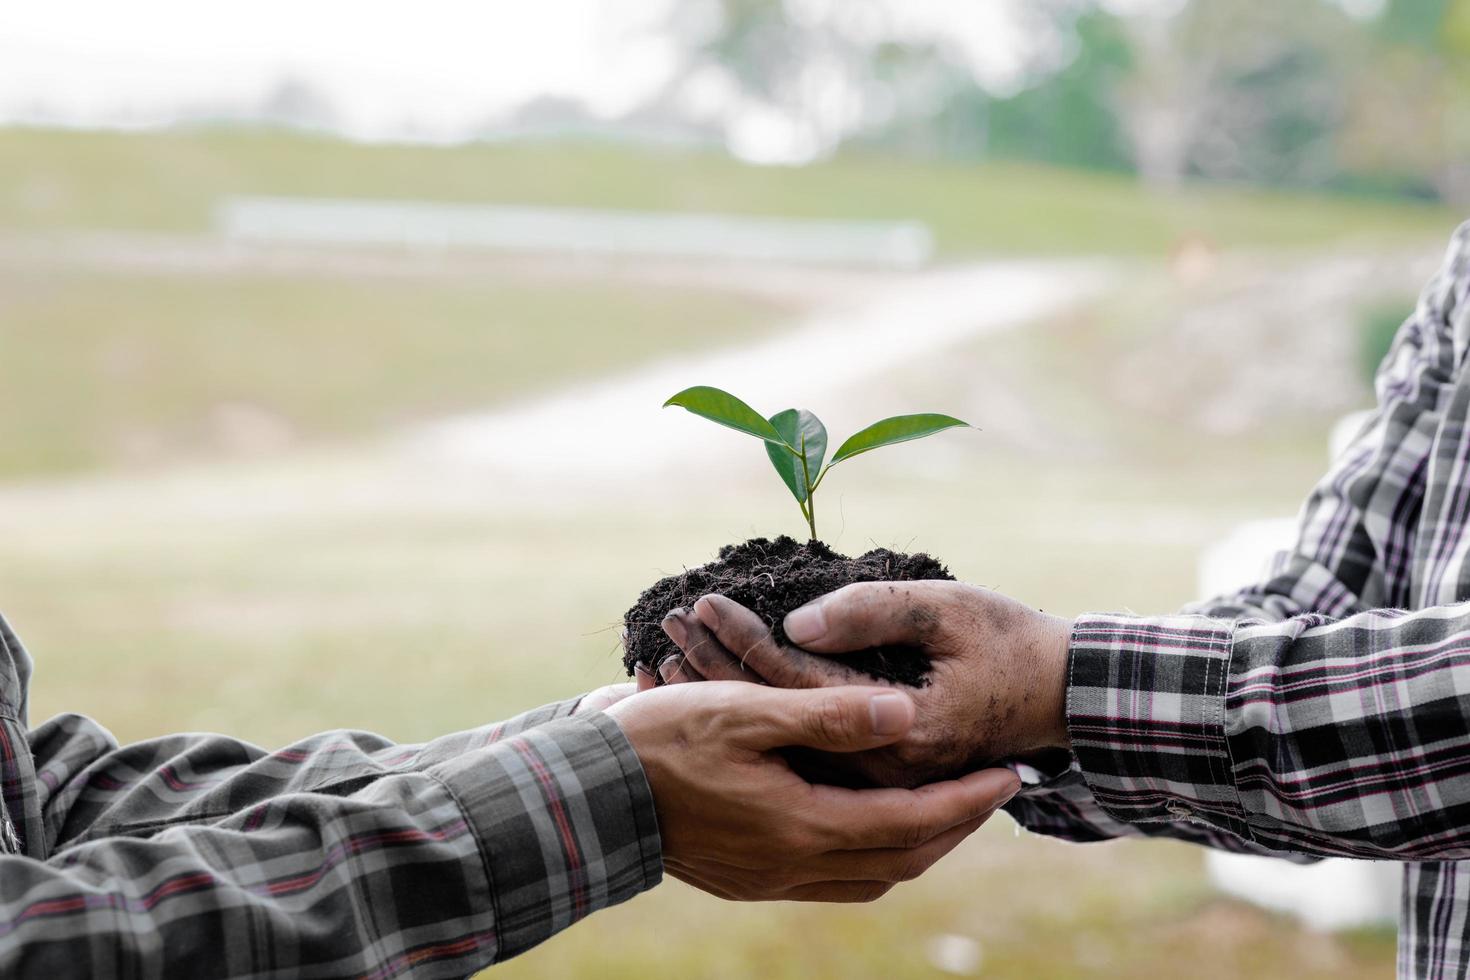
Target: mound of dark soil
(773,578)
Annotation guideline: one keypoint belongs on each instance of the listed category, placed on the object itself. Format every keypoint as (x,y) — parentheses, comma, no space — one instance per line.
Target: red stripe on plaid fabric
(572,855)
(200,880)
(51,908)
(358,845)
(419,955)
(175,782)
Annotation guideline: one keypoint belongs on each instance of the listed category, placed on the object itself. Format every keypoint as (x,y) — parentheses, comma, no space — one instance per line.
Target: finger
(603,697)
(891,864)
(716,886)
(746,636)
(864,615)
(708,655)
(676,669)
(835,719)
(841,892)
(904,818)
(643,678)
(741,886)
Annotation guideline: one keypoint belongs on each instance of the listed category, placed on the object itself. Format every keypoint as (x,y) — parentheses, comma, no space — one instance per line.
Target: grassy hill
(53,179)
(119,364)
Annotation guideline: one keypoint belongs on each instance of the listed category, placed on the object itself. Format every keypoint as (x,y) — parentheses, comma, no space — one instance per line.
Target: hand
(737,822)
(997,688)
(603,697)
(608,695)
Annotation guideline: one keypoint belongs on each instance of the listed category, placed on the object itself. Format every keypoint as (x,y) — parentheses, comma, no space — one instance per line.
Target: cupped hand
(608,695)
(736,820)
(996,690)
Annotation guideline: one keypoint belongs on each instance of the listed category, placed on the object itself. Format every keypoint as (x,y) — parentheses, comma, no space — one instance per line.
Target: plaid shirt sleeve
(341,855)
(1283,717)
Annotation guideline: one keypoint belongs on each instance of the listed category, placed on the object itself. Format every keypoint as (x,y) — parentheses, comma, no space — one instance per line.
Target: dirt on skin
(773,578)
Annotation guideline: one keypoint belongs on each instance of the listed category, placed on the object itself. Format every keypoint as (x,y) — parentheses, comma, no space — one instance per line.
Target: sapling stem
(820,477)
(810,510)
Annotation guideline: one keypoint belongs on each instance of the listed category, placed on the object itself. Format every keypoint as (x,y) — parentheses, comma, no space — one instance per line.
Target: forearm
(439,865)
(88,786)
(1311,735)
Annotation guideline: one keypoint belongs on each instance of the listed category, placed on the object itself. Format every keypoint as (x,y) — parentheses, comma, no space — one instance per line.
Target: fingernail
(669,668)
(640,669)
(707,613)
(890,713)
(1012,794)
(675,629)
(806,624)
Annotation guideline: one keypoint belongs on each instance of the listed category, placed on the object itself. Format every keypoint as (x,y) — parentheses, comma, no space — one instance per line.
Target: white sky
(437,67)
(441,63)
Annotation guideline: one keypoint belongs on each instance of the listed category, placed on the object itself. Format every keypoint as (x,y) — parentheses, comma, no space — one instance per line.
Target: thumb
(863,615)
(832,719)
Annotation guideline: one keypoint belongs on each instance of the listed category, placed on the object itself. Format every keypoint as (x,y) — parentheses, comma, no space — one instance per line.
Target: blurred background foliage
(1367,98)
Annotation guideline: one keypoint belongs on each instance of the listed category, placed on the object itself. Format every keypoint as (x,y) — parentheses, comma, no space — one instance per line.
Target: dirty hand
(737,822)
(997,688)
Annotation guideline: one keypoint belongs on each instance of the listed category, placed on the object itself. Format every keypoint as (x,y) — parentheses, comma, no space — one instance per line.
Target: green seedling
(796,440)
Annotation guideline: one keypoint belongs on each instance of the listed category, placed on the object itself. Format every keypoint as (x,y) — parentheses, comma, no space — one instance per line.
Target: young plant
(796,440)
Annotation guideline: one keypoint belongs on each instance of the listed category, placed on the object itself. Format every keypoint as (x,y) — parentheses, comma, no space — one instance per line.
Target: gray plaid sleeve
(341,855)
(82,785)
(338,856)
(600,845)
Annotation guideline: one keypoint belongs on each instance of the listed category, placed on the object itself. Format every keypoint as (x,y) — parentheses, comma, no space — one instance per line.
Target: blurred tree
(1072,116)
(1416,22)
(1250,90)
(801,73)
(1255,91)
(1455,42)
(823,72)
(1409,127)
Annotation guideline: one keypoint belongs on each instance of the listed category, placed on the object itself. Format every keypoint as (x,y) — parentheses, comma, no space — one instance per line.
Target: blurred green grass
(170,182)
(104,368)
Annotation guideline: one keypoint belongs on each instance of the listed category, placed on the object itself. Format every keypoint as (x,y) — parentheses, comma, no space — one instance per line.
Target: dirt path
(601,427)
(597,439)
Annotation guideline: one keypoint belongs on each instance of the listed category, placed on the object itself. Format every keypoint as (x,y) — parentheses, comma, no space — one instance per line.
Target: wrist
(1049,654)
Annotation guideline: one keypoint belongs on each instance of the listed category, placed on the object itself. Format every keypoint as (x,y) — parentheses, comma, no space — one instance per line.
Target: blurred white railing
(426,225)
(1331,894)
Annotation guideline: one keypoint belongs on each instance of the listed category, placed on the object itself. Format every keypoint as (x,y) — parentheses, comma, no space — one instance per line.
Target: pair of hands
(997,688)
(738,821)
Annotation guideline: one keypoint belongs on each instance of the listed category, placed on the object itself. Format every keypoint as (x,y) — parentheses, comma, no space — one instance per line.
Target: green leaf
(796,424)
(724,408)
(900,428)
